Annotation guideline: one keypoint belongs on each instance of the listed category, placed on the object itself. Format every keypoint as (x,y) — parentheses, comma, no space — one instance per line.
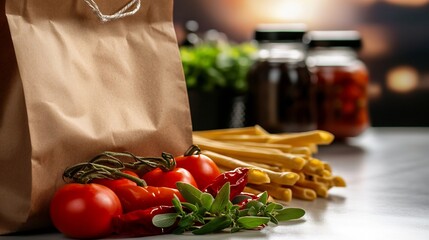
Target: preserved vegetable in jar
(342,82)
(282,91)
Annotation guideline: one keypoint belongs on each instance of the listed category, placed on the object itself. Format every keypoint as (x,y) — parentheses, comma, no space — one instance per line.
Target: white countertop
(387,197)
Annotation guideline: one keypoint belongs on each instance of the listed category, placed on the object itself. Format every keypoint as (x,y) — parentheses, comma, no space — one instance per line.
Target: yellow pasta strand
(268,156)
(284,178)
(281,164)
(277,192)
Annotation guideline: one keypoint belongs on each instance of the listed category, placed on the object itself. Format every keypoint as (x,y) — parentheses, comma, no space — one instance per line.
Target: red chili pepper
(139,198)
(243,198)
(138,223)
(237,179)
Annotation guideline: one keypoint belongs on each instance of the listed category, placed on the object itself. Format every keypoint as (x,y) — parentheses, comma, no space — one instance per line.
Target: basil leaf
(190,193)
(240,198)
(233,208)
(255,204)
(273,219)
(287,214)
(214,225)
(229,205)
(243,212)
(273,206)
(263,197)
(199,219)
(206,201)
(190,206)
(250,222)
(164,220)
(201,211)
(177,205)
(179,230)
(252,211)
(186,221)
(221,200)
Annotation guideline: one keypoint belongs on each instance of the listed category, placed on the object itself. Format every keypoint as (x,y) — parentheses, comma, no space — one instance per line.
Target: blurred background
(395,37)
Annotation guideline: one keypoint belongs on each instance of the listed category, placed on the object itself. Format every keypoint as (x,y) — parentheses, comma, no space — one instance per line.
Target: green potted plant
(216,80)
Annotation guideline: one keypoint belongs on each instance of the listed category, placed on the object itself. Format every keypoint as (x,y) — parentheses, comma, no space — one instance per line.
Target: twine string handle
(129,9)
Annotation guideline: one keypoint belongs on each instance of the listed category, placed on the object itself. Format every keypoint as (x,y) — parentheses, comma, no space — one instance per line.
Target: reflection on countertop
(387,194)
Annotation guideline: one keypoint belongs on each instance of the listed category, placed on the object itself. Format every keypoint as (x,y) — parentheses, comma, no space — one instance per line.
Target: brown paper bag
(72,87)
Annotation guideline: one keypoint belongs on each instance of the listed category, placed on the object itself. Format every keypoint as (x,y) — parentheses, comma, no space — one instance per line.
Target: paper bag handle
(127,10)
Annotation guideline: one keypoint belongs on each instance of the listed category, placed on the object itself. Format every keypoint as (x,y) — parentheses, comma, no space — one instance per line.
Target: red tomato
(84,210)
(114,183)
(159,178)
(138,198)
(202,168)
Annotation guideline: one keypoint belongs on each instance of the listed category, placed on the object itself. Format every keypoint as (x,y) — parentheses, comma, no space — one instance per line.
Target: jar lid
(324,39)
(292,32)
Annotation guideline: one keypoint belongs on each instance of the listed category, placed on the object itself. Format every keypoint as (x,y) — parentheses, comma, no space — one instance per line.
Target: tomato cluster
(89,210)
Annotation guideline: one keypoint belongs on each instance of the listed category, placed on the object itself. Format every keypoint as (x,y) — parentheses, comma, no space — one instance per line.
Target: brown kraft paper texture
(72,87)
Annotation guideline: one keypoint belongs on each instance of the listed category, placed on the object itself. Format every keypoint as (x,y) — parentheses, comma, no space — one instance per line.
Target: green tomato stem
(110,165)
(118,173)
(192,150)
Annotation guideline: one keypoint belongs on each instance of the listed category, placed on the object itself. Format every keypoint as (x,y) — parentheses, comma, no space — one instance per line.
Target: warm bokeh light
(314,13)
(376,41)
(366,2)
(374,91)
(402,79)
(282,10)
(240,17)
(424,81)
(410,3)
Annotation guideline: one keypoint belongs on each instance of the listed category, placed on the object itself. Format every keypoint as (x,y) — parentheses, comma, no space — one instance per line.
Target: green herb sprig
(203,213)
(209,67)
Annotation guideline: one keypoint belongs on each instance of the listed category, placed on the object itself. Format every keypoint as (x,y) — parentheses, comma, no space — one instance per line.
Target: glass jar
(282,91)
(342,81)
